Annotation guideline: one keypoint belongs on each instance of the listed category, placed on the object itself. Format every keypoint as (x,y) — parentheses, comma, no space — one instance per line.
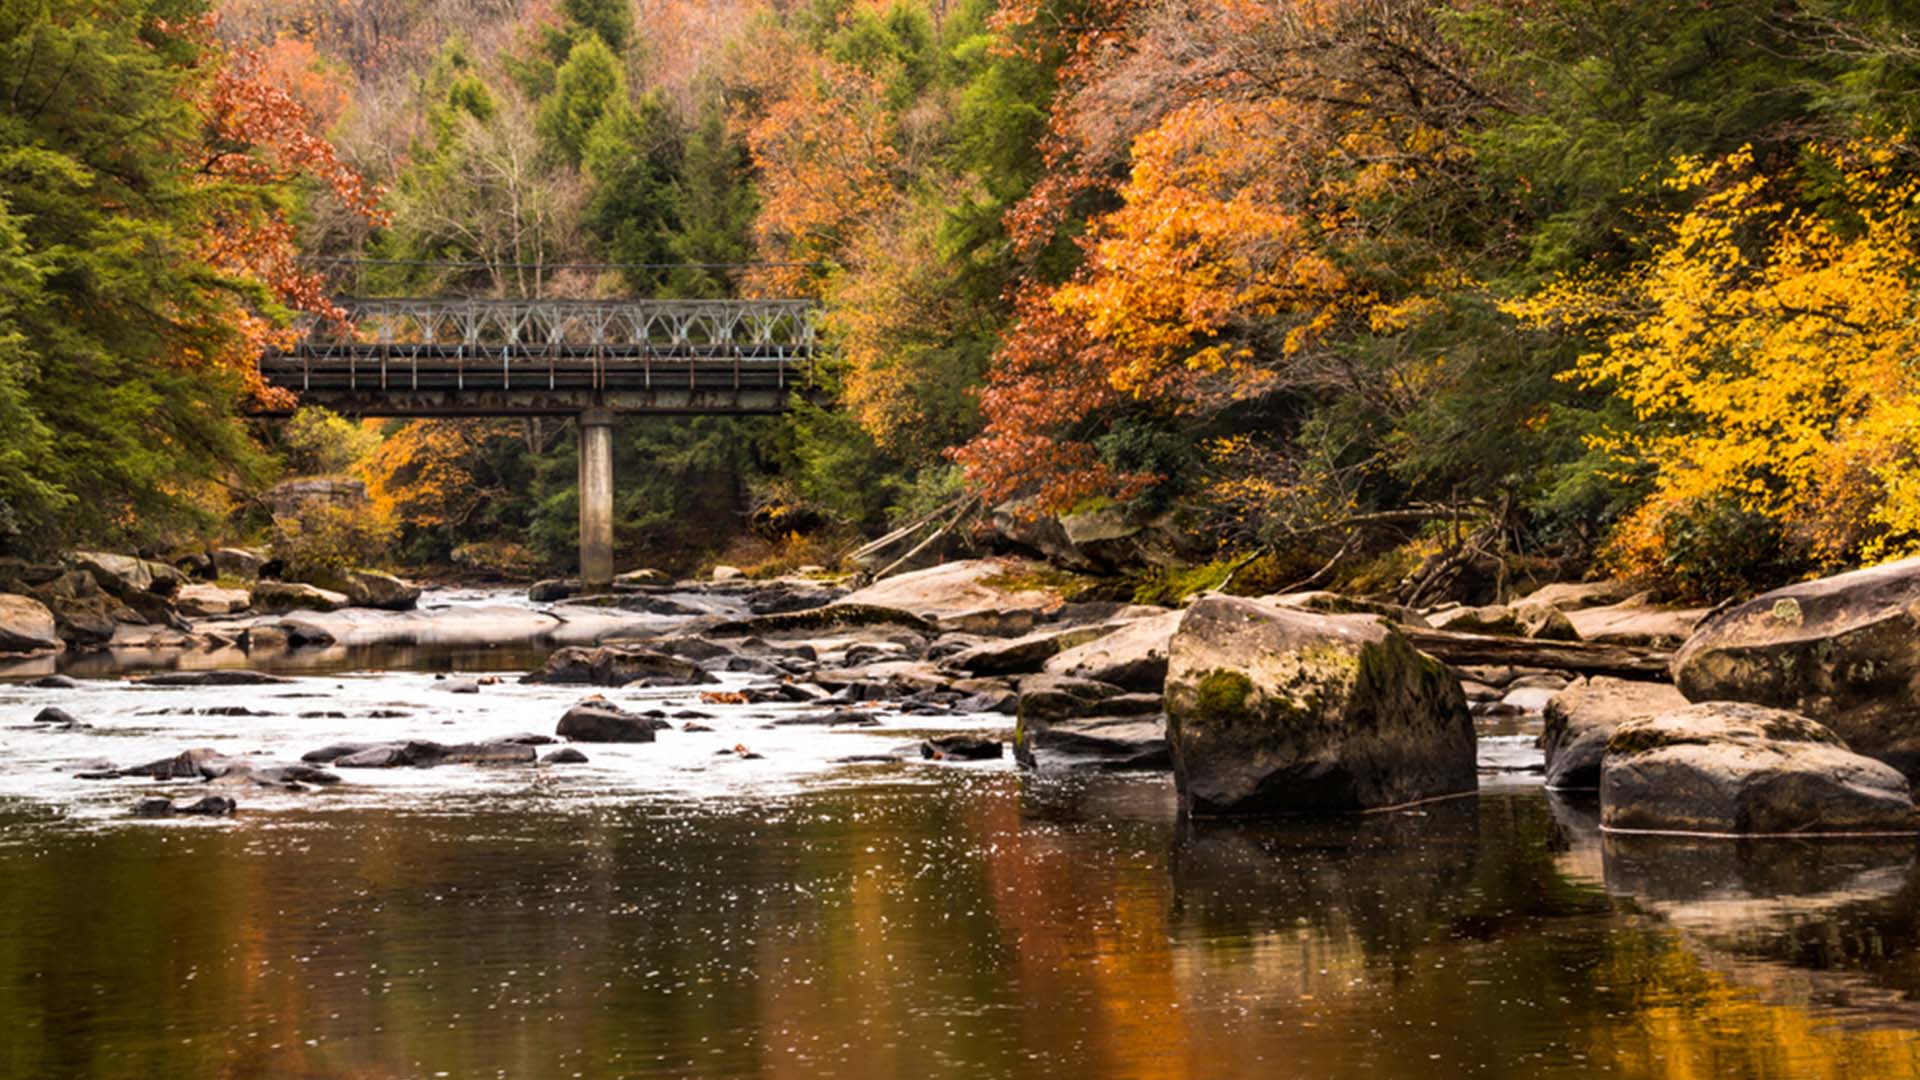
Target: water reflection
(981,925)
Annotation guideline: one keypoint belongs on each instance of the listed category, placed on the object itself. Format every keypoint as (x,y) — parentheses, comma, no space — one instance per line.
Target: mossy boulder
(1276,710)
(1730,767)
(1842,650)
(367,588)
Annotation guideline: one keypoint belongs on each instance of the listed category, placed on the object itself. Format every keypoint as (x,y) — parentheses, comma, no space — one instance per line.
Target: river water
(675,909)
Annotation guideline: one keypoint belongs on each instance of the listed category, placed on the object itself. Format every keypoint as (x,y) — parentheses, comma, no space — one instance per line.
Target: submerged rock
(612,665)
(53,714)
(598,720)
(26,625)
(211,806)
(961,747)
(1581,718)
(217,677)
(1112,742)
(1272,710)
(1734,767)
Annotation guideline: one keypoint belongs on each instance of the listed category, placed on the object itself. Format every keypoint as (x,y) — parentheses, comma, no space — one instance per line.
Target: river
(677,909)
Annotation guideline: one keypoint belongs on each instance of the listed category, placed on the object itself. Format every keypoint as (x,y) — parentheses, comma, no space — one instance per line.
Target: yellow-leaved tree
(1766,348)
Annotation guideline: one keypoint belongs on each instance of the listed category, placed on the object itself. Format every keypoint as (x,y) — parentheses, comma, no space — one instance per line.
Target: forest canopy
(1344,286)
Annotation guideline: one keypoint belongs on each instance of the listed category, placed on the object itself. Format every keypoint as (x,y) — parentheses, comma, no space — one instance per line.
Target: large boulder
(83,612)
(280,597)
(368,588)
(242,564)
(598,720)
(204,601)
(26,625)
(121,575)
(958,590)
(1133,657)
(613,665)
(1581,718)
(1734,767)
(1102,540)
(1843,650)
(1273,710)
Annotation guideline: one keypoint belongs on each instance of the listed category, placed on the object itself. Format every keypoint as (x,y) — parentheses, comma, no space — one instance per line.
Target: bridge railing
(781,329)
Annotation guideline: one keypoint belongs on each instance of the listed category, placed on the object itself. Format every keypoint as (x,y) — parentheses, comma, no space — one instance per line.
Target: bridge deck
(511,358)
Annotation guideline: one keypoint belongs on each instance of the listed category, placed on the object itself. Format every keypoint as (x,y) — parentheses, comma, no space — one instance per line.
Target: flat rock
(1577,595)
(1736,768)
(207,601)
(1636,621)
(1022,655)
(1113,742)
(280,597)
(965,587)
(216,677)
(1134,656)
(612,665)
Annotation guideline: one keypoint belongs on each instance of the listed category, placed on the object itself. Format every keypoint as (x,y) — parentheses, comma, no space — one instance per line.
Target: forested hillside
(1349,291)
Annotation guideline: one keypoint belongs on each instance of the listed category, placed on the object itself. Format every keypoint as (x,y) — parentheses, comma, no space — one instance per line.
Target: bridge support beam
(596,497)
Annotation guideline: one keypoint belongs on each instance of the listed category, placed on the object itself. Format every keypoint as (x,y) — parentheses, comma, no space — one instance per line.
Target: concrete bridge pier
(596,497)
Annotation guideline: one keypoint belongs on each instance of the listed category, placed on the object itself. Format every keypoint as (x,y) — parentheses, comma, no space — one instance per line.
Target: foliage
(327,536)
(1765,350)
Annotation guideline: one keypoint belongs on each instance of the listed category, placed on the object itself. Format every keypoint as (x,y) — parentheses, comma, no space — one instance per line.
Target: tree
(1764,348)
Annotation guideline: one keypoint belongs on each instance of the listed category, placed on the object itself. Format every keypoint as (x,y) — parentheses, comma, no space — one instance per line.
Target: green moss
(1168,588)
(1221,696)
(1065,584)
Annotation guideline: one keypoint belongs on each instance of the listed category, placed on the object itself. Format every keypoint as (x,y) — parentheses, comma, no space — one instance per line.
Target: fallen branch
(1455,647)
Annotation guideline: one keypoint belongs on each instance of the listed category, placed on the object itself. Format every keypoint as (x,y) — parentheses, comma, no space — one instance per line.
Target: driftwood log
(1588,658)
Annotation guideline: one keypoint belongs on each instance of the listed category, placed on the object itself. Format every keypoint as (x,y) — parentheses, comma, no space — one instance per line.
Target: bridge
(588,359)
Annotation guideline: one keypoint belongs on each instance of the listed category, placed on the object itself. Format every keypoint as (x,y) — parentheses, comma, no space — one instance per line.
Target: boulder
(613,665)
(1021,655)
(425,754)
(160,807)
(566,755)
(26,626)
(598,720)
(1133,656)
(1576,595)
(1114,742)
(961,748)
(1536,621)
(280,597)
(205,601)
(644,576)
(1636,621)
(728,573)
(552,589)
(1737,768)
(242,564)
(1102,540)
(1581,718)
(1046,698)
(368,588)
(54,714)
(83,612)
(1843,650)
(1273,710)
(121,575)
(289,497)
(967,588)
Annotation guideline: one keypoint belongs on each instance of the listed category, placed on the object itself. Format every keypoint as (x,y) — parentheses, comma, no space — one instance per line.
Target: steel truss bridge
(589,359)
(460,357)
